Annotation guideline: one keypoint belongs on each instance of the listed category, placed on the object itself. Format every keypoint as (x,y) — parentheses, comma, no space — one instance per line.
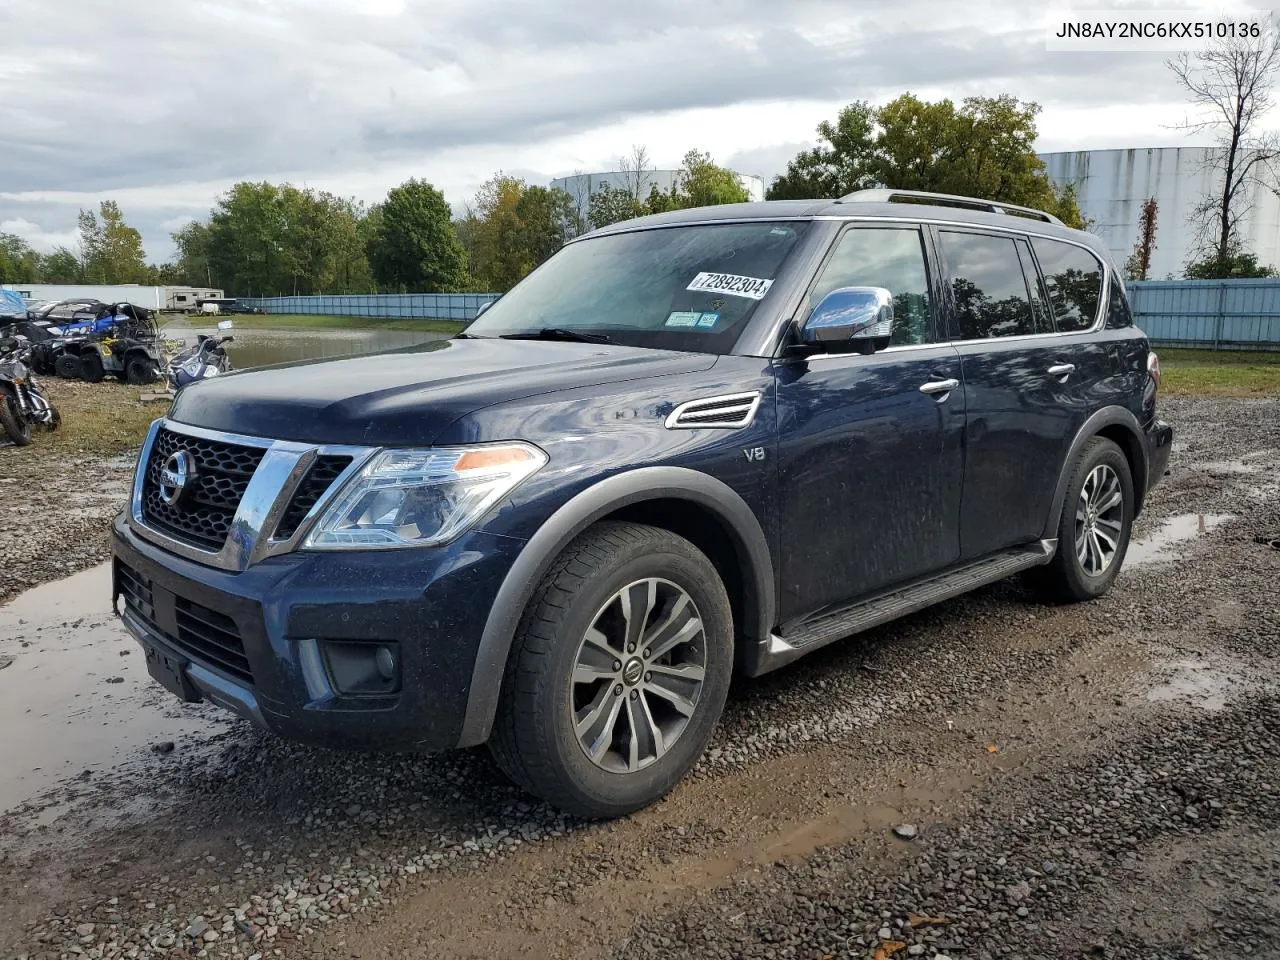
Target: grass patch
(1219,373)
(298,321)
(104,419)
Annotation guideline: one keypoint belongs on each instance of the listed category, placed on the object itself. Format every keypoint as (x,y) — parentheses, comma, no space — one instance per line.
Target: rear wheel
(140,370)
(618,673)
(13,422)
(91,368)
(1093,532)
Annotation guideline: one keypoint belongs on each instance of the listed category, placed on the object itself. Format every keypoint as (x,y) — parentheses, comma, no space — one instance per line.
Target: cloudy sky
(161,104)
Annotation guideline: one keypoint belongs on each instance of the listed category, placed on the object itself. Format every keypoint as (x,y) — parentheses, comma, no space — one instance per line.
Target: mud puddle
(76,698)
(1206,683)
(1161,546)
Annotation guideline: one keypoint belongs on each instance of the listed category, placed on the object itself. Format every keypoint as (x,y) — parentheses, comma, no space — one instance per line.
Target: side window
(887,257)
(1074,278)
(987,286)
(1118,313)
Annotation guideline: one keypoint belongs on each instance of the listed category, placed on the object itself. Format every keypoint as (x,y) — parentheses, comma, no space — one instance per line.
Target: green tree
(1236,265)
(701,183)
(245,250)
(609,205)
(511,227)
(111,250)
(194,266)
(61,266)
(18,262)
(500,259)
(841,163)
(548,219)
(415,246)
(983,148)
(1138,266)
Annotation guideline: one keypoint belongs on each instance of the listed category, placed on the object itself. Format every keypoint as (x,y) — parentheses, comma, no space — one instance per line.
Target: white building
(1112,185)
(581,186)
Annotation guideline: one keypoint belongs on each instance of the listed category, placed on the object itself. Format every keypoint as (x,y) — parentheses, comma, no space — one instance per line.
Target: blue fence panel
(1218,314)
(461,307)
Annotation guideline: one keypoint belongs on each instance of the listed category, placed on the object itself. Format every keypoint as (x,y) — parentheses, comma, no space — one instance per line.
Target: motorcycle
(208,358)
(22,401)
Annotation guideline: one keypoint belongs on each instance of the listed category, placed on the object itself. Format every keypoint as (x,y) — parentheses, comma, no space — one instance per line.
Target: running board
(808,636)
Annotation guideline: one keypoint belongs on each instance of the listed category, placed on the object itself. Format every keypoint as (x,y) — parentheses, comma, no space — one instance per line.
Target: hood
(408,397)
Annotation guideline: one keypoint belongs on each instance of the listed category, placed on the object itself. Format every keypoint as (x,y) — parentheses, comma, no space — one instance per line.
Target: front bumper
(254,641)
(1159,440)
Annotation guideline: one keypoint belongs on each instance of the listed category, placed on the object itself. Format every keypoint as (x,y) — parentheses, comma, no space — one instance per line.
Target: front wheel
(1093,532)
(13,422)
(618,673)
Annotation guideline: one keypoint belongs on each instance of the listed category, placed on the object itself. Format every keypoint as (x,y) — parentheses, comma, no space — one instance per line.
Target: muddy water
(1162,545)
(75,698)
(256,348)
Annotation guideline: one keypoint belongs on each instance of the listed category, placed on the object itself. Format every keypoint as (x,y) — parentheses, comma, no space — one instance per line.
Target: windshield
(676,288)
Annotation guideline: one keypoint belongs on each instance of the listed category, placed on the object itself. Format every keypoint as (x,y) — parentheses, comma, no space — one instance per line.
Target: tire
(534,738)
(12,422)
(91,368)
(1076,572)
(67,366)
(139,370)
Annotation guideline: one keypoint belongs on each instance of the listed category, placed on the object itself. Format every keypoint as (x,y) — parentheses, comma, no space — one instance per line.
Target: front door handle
(1061,370)
(939,386)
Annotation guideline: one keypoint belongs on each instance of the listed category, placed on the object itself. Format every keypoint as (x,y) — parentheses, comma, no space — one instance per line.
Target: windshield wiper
(559,333)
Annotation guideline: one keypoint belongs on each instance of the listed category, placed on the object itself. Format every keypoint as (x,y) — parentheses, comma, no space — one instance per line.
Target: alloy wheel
(1099,520)
(638,675)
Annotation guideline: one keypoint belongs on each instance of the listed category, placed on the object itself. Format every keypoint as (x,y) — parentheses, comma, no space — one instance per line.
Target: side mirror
(853,318)
(483,307)
(225,324)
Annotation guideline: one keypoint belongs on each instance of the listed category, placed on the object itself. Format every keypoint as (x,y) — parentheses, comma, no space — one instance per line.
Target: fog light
(363,669)
(386,661)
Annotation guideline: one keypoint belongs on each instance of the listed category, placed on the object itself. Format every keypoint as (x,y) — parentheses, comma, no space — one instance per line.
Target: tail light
(1153,368)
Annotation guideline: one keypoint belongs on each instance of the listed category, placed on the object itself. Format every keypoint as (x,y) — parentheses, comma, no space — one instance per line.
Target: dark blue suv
(687,445)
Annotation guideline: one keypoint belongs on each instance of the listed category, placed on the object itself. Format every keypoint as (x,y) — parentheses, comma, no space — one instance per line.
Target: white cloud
(46,241)
(354,96)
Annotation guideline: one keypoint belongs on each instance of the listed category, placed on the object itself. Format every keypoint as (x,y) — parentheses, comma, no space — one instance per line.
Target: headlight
(416,498)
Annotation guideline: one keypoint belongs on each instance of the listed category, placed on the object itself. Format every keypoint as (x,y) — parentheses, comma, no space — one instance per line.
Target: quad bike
(22,401)
(122,342)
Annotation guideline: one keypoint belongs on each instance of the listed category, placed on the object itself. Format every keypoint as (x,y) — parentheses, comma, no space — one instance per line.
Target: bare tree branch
(1231,84)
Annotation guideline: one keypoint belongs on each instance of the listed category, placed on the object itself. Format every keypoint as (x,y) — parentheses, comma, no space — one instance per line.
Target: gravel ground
(1060,766)
(59,494)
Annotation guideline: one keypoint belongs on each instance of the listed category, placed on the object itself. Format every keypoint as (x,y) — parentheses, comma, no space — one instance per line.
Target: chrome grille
(203,517)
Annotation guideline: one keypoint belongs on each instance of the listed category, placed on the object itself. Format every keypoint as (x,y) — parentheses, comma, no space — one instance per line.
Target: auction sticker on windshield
(753,288)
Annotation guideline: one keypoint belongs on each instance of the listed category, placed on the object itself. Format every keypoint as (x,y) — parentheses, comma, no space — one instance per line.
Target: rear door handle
(939,386)
(1061,370)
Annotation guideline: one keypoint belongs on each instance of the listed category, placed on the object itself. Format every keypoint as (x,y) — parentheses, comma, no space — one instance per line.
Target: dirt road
(994,777)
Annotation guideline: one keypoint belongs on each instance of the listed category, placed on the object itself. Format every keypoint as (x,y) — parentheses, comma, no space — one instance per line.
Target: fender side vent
(729,412)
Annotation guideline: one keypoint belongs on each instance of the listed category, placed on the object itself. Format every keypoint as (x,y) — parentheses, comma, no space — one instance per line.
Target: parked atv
(122,341)
(22,401)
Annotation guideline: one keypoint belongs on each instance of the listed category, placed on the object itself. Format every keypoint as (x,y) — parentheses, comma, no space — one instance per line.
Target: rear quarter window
(1073,276)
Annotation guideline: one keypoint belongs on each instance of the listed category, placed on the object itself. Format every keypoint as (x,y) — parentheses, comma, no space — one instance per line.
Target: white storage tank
(1112,185)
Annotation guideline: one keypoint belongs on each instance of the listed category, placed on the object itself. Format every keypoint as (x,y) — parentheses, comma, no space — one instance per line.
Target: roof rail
(948,200)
